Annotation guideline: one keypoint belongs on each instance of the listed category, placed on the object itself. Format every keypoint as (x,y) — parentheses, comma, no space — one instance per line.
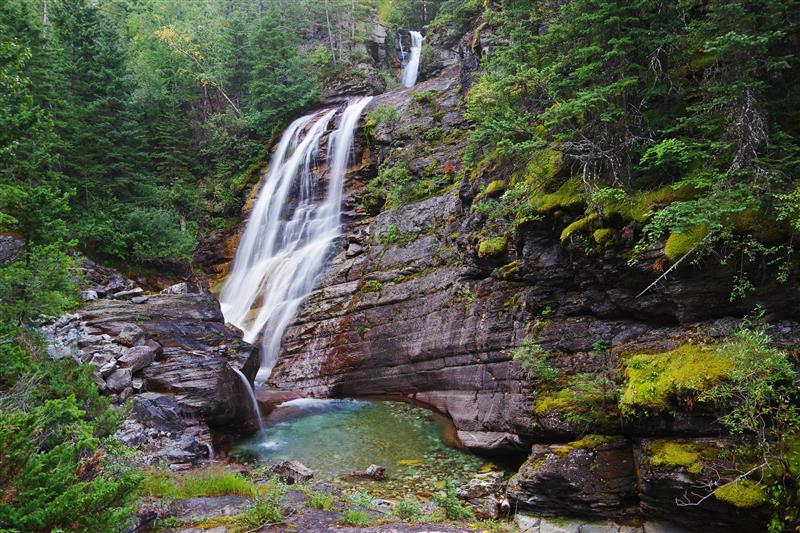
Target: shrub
(320,500)
(535,360)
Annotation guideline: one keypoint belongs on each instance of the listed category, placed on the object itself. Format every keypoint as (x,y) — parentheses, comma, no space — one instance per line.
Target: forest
(131,130)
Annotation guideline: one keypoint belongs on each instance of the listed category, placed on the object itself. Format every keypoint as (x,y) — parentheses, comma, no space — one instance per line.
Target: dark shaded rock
(130,335)
(138,357)
(662,486)
(292,472)
(159,411)
(10,247)
(591,478)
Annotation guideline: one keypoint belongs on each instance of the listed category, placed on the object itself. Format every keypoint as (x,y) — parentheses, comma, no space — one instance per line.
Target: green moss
(552,401)
(570,194)
(494,187)
(492,246)
(639,206)
(680,244)
(582,224)
(759,225)
(603,236)
(655,380)
(743,493)
(590,441)
(671,454)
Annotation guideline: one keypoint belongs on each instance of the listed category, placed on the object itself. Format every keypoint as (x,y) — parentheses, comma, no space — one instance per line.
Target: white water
(290,231)
(252,396)
(410,71)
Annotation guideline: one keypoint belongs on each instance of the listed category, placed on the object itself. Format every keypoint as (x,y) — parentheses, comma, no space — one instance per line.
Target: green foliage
(361,499)
(535,360)
(448,501)
(58,468)
(209,482)
(320,500)
(355,517)
(372,285)
(409,510)
(267,510)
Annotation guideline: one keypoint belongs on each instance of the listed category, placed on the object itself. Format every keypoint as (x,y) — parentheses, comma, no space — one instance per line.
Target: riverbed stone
(292,472)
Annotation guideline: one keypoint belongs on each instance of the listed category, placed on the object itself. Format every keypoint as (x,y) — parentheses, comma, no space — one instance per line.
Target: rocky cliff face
(413,305)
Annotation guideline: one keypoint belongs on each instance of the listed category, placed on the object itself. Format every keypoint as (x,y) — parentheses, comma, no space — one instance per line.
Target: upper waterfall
(290,231)
(410,71)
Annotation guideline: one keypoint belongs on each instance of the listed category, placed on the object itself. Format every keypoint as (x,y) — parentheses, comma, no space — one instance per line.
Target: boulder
(139,299)
(137,357)
(127,295)
(130,335)
(159,411)
(485,493)
(89,295)
(119,380)
(182,288)
(593,477)
(375,472)
(292,472)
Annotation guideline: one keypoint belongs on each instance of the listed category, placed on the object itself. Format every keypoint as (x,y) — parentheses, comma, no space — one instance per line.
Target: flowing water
(409,75)
(252,398)
(336,437)
(290,231)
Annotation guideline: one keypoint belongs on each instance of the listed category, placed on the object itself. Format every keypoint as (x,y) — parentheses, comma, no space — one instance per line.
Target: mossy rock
(638,206)
(669,454)
(584,224)
(743,493)
(603,236)
(492,247)
(759,225)
(570,194)
(680,244)
(552,401)
(654,382)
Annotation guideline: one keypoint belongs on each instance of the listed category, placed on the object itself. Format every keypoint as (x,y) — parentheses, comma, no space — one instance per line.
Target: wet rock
(130,335)
(593,477)
(372,472)
(292,472)
(137,357)
(159,411)
(119,380)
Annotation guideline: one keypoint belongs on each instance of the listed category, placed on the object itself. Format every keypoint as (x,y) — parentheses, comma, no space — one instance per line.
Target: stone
(291,472)
(137,357)
(194,509)
(107,369)
(139,299)
(130,335)
(9,248)
(372,472)
(89,295)
(182,288)
(119,380)
(159,411)
(592,477)
(127,295)
(485,493)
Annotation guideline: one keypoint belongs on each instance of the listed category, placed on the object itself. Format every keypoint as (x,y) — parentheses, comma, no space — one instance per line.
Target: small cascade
(252,396)
(409,75)
(291,228)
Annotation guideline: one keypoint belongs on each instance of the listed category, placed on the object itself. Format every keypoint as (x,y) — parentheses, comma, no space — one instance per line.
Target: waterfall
(410,71)
(289,235)
(252,397)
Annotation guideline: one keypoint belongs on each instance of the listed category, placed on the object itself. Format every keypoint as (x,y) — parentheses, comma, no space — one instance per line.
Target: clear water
(336,437)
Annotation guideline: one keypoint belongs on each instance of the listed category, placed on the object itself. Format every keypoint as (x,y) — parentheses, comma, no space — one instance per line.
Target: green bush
(448,501)
(355,517)
(408,509)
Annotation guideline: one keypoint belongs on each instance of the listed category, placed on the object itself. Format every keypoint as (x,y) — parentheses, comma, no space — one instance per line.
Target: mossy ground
(658,382)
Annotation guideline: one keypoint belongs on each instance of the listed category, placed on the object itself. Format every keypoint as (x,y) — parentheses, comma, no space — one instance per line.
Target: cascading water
(252,397)
(290,231)
(410,71)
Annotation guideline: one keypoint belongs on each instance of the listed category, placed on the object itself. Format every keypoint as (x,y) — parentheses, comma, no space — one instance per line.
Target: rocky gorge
(424,301)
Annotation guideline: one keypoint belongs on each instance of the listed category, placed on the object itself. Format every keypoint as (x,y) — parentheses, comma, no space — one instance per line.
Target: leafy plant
(448,501)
